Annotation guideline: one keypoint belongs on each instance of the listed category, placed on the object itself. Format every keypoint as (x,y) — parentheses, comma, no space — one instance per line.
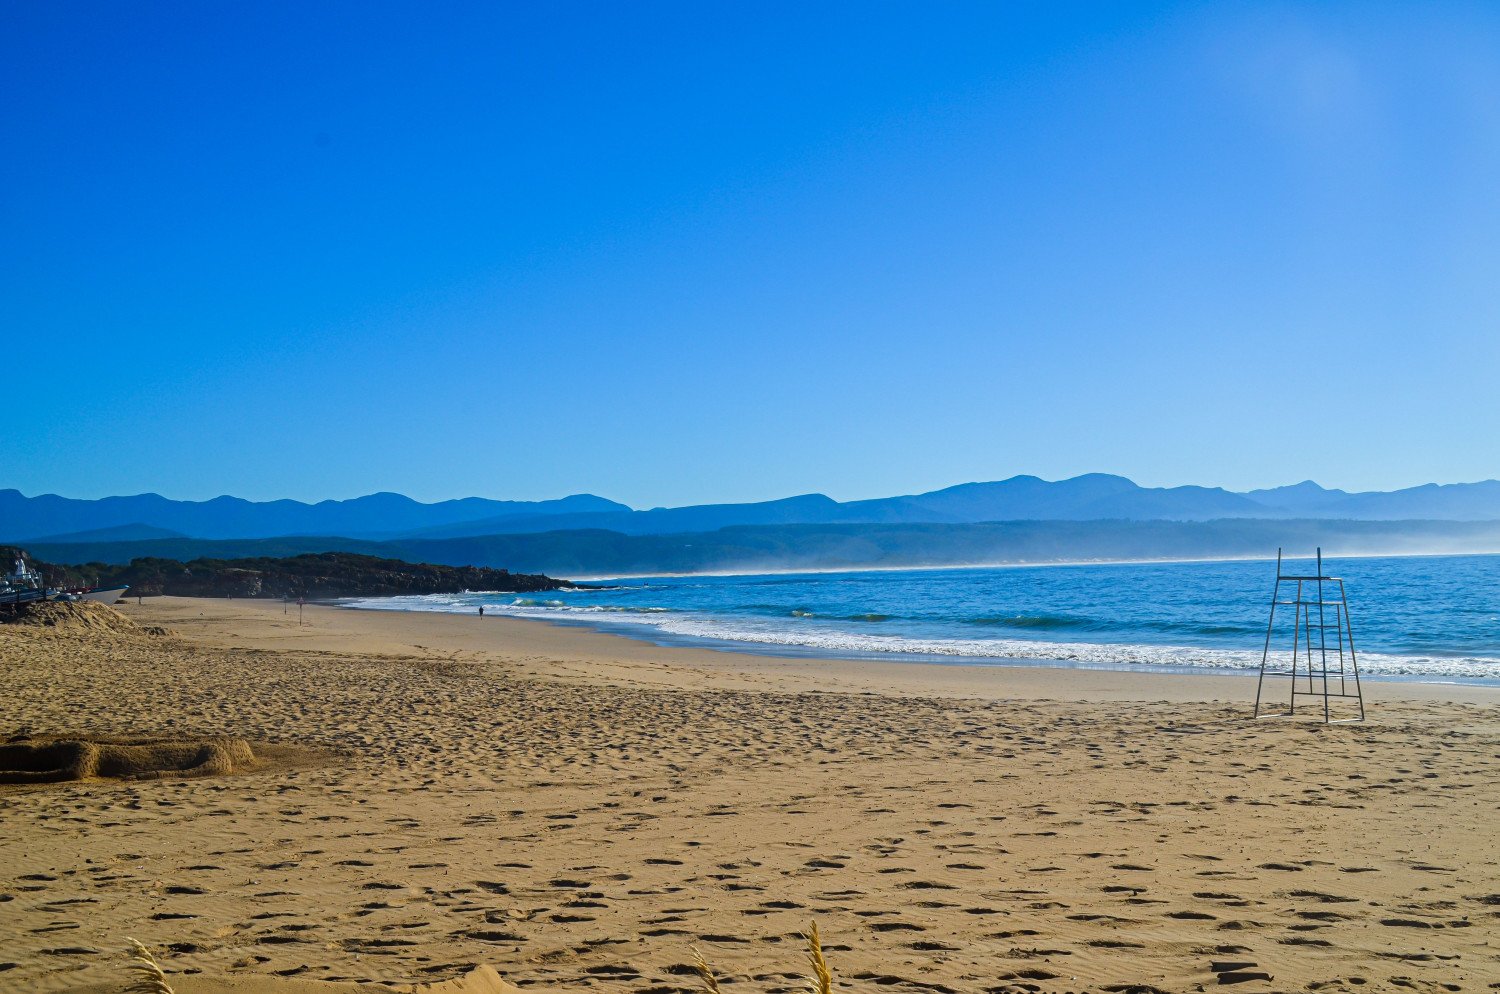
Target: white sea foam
(834,642)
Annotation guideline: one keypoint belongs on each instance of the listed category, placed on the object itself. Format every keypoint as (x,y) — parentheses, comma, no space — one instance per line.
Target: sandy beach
(579,810)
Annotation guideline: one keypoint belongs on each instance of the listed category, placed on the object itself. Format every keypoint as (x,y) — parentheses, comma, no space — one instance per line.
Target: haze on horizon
(676,254)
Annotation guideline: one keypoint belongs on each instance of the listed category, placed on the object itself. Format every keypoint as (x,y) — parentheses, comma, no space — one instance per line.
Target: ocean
(1429,618)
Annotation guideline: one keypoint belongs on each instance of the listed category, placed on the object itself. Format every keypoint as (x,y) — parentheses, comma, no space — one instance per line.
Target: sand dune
(579,811)
(76,616)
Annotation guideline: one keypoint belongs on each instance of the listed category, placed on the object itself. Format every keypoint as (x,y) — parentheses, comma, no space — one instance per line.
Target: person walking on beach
(481,610)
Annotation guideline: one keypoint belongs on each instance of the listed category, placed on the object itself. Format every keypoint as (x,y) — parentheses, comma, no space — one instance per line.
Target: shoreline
(607,654)
(794,651)
(817,571)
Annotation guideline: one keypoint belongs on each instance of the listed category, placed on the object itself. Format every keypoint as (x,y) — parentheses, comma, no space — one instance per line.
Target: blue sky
(678,253)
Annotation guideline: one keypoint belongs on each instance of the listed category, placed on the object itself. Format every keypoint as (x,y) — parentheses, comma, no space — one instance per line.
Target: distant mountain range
(761,548)
(385,516)
(64,519)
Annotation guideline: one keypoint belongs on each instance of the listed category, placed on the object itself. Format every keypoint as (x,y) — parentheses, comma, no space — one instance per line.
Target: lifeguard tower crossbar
(1310,602)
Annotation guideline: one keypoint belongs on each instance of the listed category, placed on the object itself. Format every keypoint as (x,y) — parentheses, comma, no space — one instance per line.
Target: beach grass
(146,974)
(819,978)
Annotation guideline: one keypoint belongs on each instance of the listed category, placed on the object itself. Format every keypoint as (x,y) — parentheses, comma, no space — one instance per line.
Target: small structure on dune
(1320,637)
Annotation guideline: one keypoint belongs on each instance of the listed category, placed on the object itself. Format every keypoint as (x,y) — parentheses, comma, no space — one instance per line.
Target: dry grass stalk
(821,980)
(148,977)
(700,966)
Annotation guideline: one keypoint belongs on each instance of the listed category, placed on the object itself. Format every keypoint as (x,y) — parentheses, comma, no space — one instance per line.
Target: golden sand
(579,811)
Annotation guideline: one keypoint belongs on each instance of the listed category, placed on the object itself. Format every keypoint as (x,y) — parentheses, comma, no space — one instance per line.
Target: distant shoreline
(591,578)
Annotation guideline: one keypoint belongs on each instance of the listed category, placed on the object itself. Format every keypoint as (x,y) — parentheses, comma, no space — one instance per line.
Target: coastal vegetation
(314,575)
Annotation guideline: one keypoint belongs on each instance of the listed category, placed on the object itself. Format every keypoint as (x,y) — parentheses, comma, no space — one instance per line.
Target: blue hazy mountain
(1092,497)
(376,515)
(1434,501)
(1095,496)
(806,509)
(134,532)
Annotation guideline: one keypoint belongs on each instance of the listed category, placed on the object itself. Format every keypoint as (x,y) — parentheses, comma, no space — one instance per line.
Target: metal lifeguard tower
(1323,673)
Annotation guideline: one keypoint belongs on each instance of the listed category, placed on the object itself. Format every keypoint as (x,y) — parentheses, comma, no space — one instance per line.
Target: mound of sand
(62,760)
(480,980)
(76,617)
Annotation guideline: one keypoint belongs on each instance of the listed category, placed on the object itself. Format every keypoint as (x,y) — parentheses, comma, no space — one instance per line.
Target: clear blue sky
(676,253)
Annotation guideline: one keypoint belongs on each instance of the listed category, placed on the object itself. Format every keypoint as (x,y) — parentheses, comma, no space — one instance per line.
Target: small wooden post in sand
(1309,595)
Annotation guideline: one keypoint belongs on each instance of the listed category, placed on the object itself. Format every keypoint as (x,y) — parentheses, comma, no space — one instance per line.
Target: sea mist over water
(1430,617)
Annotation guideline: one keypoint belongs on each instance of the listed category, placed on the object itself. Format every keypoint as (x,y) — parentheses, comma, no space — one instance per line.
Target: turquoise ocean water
(1433,618)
